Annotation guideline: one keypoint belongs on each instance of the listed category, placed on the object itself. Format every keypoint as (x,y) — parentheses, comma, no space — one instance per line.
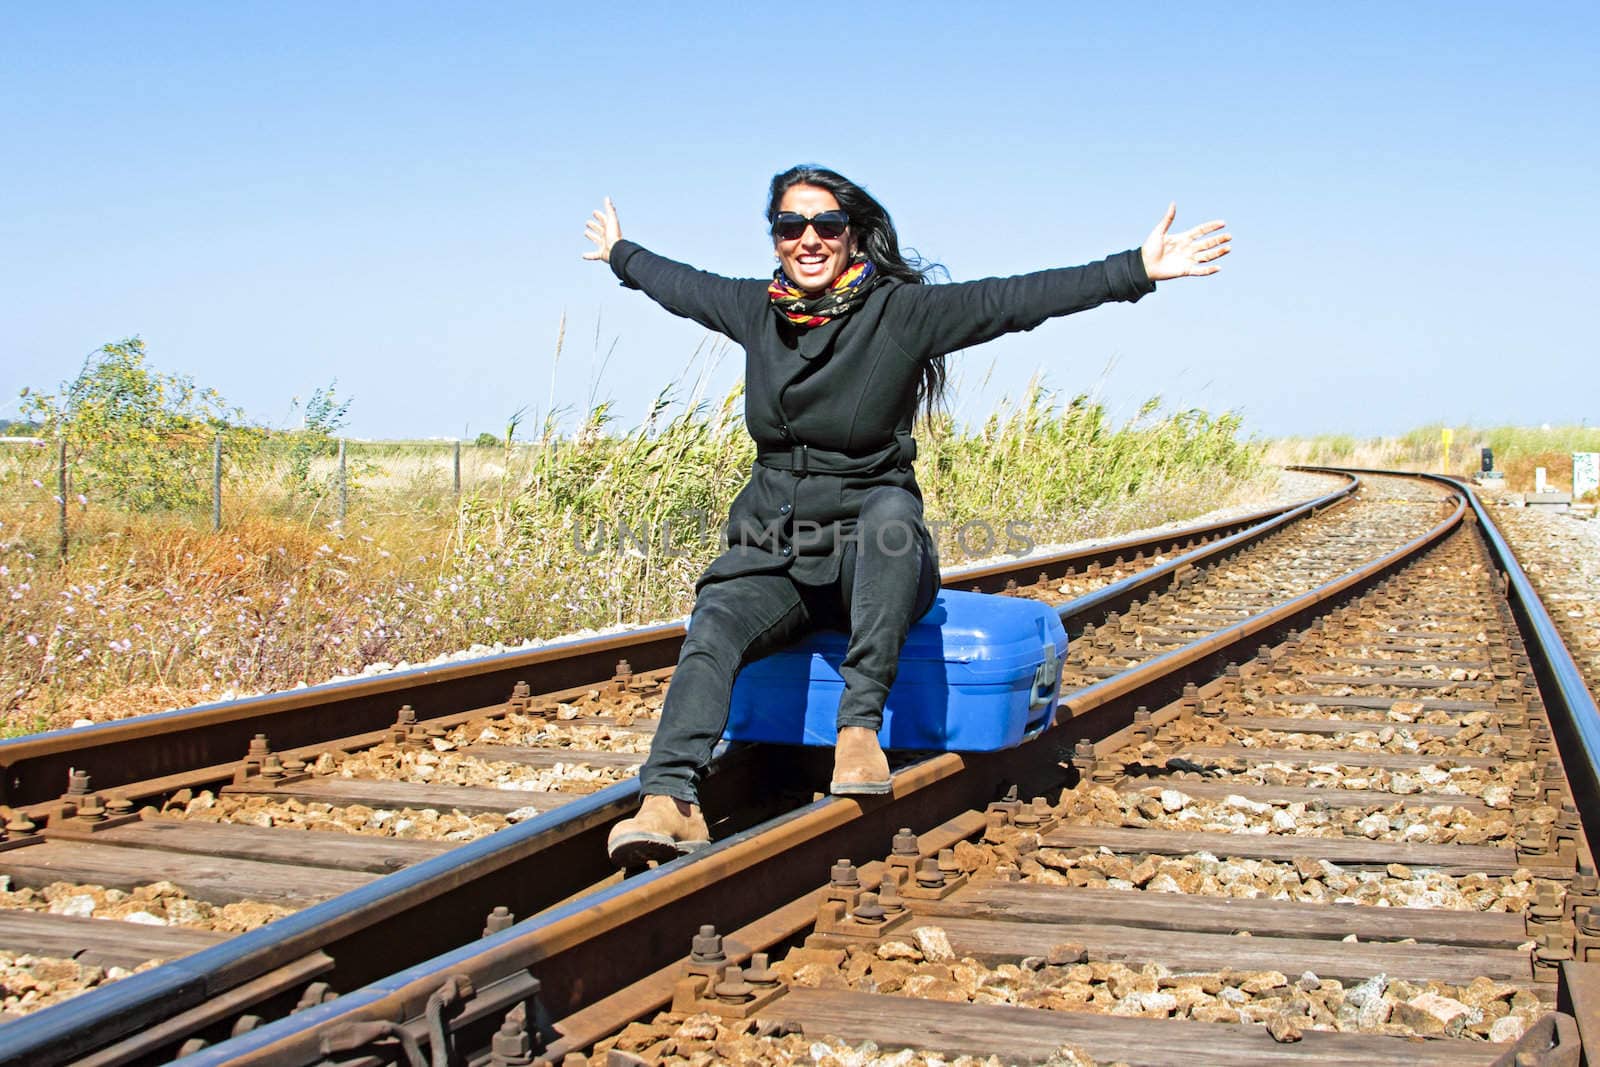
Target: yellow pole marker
(1446,435)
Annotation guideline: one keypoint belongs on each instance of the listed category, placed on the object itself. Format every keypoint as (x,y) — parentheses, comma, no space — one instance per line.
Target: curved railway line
(1337,748)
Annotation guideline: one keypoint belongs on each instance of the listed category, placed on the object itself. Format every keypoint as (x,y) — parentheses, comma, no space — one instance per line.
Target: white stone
(1139,1003)
(1234,800)
(934,943)
(1507,1028)
(1172,800)
(144,918)
(81,905)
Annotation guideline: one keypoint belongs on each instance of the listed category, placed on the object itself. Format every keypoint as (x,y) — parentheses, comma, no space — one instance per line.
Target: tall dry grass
(584,529)
(1518,450)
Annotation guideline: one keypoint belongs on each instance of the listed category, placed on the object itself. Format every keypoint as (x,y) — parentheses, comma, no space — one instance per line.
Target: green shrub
(137,437)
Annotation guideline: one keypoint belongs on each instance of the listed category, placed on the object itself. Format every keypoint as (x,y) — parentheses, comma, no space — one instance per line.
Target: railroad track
(210,864)
(610,960)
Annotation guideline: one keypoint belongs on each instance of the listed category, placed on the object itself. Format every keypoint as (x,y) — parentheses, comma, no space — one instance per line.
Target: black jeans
(888,578)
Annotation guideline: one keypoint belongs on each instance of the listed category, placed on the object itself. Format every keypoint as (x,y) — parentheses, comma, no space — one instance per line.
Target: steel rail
(1576,724)
(584,950)
(446,897)
(189,747)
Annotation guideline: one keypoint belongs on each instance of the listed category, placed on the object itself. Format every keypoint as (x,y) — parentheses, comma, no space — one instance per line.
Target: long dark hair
(875,236)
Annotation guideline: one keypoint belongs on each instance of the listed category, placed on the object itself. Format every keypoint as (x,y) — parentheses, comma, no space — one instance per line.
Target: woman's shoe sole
(853,789)
(638,849)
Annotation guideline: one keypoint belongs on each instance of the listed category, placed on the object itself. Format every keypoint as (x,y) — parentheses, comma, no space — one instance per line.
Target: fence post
(458,469)
(216,483)
(61,486)
(344,485)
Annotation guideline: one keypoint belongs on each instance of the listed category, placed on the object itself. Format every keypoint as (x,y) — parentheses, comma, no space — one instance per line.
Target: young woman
(841,346)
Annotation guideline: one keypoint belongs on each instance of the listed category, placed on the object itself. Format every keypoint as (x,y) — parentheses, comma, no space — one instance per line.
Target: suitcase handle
(1045,678)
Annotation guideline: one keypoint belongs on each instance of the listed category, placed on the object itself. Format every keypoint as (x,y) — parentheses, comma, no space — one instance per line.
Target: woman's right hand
(604,230)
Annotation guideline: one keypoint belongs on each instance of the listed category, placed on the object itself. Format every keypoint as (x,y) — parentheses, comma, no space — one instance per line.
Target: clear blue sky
(275,195)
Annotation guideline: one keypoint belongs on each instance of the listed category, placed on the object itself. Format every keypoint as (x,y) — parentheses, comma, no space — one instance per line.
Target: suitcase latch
(1045,677)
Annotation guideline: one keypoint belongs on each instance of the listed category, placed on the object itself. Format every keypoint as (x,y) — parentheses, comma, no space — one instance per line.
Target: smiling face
(813,262)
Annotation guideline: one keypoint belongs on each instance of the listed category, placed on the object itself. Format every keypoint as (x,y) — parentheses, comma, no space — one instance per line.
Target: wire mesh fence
(55,491)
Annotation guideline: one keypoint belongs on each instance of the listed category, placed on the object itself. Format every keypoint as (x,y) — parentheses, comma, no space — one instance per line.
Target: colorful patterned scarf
(846,293)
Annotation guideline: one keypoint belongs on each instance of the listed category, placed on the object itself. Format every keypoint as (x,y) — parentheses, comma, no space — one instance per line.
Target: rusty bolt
(947,863)
(758,974)
(19,824)
(407,716)
(499,919)
(271,767)
(1546,907)
(511,1044)
(1143,725)
(90,809)
(843,876)
(869,910)
(707,946)
(294,765)
(1553,951)
(119,806)
(258,747)
(889,894)
(733,989)
(1264,655)
(77,783)
(1106,771)
(929,876)
(904,843)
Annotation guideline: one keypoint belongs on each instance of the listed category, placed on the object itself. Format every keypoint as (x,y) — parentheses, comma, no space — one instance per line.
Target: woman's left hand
(1187,254)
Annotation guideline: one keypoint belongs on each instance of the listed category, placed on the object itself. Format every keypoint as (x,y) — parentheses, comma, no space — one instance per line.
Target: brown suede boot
(859,765)
(663,829)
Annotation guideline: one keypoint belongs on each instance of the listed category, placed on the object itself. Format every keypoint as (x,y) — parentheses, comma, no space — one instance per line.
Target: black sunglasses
(830,225)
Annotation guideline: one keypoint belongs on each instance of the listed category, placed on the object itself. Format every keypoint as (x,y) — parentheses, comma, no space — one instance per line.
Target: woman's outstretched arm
(727,305)
(935,319)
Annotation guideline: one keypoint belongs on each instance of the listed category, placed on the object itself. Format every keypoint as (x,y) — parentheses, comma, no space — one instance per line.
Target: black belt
(801,460)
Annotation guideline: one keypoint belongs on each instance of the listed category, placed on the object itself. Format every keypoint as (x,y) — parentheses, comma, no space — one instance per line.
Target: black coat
(831,407)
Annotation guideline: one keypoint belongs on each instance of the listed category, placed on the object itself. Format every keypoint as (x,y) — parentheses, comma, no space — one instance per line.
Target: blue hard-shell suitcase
(978,672)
